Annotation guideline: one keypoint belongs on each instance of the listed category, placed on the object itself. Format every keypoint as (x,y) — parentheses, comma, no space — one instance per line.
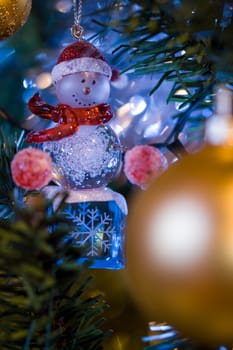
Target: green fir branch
(45,300)
(11,141)
(189,44)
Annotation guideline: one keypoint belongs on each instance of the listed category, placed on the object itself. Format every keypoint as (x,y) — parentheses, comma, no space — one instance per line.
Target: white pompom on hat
(80,56)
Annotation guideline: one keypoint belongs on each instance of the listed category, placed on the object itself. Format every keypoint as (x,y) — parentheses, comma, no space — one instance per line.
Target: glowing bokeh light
(43,80)
(180,232)
(63,6)
(137,104)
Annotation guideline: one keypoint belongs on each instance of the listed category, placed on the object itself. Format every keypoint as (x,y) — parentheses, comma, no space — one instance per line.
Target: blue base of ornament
(97,218)
(108,264)
(98,230)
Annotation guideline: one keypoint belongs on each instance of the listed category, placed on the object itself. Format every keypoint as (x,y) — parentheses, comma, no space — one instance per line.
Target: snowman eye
(83,81)
(93,82)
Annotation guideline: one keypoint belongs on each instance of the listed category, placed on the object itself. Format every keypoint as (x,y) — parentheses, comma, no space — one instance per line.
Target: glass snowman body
(88,159)
(84,164)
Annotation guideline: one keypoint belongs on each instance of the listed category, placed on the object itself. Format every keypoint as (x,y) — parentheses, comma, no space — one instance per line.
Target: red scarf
(68,118)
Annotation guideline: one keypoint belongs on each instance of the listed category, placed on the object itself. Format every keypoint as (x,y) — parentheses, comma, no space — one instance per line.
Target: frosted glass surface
(88,159)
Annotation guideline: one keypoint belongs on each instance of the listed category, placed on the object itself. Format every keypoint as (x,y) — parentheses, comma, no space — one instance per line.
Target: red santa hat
(80,57)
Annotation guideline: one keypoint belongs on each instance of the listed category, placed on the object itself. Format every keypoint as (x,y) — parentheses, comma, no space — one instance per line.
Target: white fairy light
(43,80)
(121,82)
(137,104)
(181,92)
(180,232)
(152,130)
(63,6)
(217,128)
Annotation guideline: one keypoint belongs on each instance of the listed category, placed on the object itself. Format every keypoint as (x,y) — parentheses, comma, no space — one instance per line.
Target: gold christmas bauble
(13,14)
(180,247)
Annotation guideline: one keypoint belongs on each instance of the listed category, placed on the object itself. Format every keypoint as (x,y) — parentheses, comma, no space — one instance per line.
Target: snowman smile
(81,102)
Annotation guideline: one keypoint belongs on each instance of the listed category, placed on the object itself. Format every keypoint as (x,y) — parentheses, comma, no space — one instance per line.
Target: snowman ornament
(86,153)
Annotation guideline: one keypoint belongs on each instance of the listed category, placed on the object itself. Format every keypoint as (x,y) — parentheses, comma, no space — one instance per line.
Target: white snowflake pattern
(94,228)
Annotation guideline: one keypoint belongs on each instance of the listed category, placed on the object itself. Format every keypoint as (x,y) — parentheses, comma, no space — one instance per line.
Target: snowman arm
(67,126)
(53,134)
(38,106)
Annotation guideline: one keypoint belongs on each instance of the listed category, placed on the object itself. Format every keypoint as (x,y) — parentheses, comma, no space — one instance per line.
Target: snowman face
(84,89)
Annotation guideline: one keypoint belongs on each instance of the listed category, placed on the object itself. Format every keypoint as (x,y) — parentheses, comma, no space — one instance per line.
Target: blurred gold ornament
(180,247)
(13,15)
(122,316)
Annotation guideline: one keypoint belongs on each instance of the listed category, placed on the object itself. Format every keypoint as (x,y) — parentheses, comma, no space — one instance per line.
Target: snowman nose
(86,90)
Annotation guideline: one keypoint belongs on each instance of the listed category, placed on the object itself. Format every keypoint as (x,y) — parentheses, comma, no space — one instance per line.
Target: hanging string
(76,29)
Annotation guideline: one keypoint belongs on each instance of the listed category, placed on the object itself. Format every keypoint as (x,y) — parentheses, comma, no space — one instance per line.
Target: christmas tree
(167,59)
